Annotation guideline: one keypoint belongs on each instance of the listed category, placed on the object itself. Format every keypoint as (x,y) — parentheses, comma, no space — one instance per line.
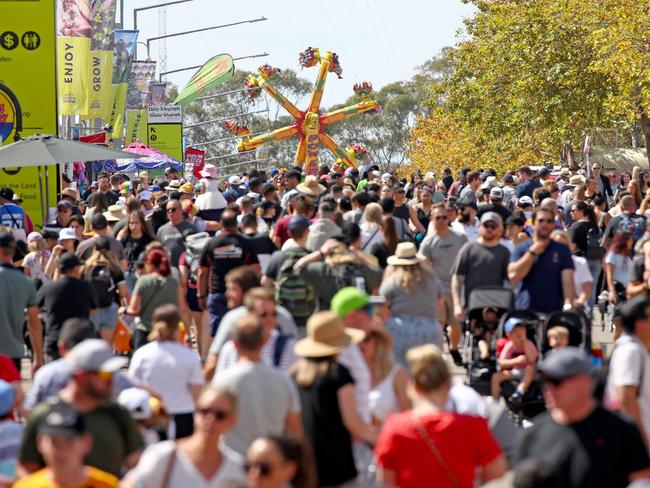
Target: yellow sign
(136,126)
(27,69)
(100,104)
(73,73)
(167,138)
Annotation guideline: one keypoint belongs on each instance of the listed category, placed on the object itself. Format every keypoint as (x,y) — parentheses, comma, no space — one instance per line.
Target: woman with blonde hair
(170,369)
(428,446)
(372,226)
(103,271)
(35,263)
(412,291)
(388,380)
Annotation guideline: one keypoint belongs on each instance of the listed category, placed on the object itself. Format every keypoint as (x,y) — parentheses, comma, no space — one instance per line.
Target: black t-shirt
(158,219)
(599,451)
(223,253)
(277,260)
(111,198)
(381,252)
(134,247)
(261,243)
(503,212)
(321,419)
(64,299)
(578,232)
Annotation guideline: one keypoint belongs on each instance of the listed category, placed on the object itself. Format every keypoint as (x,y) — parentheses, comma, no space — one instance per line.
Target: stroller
(485,306)
(578,325)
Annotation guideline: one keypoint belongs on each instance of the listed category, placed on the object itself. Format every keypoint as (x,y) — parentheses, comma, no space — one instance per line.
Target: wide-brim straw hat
(326,336)
(405,255)
(114,213)
(311,186)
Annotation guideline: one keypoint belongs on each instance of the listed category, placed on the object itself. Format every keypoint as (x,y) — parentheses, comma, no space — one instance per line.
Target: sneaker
(516,398)
(455,355)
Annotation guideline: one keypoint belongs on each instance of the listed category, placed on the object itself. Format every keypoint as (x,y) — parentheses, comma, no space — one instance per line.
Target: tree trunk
(644,122)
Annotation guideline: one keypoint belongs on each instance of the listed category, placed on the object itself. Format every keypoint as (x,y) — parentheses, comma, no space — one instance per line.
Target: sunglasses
(265,314)
(104,375)
(441,217)
(216,413)
(490,226)
(172,210)
(545,221)
(265,469)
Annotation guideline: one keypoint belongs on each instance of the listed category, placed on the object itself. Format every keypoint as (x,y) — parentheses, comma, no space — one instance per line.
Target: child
(558,337)
(517,361)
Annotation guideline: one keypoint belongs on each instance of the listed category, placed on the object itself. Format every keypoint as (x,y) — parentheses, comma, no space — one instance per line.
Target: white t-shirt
(626,369)
(465,400)
(351,358)
(150,471)
(229,356)
(470,231)
(581,274)
(169,368)
(623,267)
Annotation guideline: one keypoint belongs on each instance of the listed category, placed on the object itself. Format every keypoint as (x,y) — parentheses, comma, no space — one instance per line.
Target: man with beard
(467,224)
(117,443)
(480,263)
(544,267)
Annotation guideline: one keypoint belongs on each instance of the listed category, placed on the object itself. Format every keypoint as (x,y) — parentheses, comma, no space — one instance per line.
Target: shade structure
(146,158)
(43,149)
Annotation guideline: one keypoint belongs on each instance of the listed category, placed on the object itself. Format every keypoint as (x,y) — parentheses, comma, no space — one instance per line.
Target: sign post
(165,130)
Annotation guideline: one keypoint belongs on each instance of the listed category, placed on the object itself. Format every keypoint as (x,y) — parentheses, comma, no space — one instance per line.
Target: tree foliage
(529,76)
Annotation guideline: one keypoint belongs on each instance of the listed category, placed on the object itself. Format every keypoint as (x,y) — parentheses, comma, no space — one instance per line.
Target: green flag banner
(101,58)
(212,74)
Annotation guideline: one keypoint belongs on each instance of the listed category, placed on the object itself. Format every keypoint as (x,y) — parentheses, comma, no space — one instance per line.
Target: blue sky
(380,41)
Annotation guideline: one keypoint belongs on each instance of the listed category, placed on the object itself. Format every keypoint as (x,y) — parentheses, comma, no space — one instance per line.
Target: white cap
(136,401)
(67,233)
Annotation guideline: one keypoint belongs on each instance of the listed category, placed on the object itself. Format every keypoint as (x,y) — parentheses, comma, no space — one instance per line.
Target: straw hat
(311,186)
(71,193)
(405,254)
(186,188)
(114,213)
(326,336)
(174,185)
(576,180)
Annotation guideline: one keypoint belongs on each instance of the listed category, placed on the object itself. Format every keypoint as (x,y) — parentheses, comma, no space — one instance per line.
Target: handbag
(453,479)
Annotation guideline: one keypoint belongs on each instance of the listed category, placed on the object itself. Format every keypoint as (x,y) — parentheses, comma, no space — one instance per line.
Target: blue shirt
(541,289)
(526,188)
(12,216)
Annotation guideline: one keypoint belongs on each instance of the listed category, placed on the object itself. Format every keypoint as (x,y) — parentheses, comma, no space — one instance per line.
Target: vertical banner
(157,94)
(165,130)
(73,56)
(194,161)
(28,96)
(142,74)
(136,126)
(101,58)
(125,42)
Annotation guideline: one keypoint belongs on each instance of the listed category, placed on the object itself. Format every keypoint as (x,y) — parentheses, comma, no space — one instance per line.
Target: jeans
(140,338)
(217,308)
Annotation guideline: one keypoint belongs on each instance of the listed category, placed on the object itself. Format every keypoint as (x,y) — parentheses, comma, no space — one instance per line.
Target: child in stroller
(517,361)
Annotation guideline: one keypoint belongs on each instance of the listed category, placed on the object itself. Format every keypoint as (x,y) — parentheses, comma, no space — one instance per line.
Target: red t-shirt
(464,442)
(281,229)
(8,370)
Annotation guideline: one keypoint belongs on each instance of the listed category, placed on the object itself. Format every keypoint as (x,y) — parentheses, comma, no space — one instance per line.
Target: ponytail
(166,320)
(159,260)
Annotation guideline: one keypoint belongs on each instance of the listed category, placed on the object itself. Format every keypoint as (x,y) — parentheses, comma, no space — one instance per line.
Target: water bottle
(360,283)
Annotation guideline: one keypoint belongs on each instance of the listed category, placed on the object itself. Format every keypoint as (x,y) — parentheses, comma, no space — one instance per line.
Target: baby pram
(496,301)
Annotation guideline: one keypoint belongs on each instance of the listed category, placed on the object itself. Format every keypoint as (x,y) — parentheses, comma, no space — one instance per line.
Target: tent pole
(43,204)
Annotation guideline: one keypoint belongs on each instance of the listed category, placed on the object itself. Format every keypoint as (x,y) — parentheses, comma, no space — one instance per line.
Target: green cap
(347,300)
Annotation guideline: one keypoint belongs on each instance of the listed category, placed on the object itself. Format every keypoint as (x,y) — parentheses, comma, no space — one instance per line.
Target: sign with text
(194,161)
(165,114)
(167,138)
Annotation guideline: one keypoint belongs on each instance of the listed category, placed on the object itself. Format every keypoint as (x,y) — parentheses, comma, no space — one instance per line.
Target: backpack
(101,279)
(291,291)
(635,225)
(194,245)
(346,274)
(594,248)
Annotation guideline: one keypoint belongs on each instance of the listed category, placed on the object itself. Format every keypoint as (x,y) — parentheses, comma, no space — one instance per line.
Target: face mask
(528,214)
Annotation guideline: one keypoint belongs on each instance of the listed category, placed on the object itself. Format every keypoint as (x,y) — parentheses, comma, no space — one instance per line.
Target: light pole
(149,7)
(184,33)
(199,65)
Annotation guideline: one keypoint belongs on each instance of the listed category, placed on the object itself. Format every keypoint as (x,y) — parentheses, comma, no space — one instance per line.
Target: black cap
(466,202)
(298,223)
(544,171)
(7,193)
(69,260)
(63,421)
(564,363)
(514,220)
(99,222)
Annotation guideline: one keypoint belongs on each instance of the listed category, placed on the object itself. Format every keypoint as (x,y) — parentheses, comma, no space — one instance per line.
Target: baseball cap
(63,421)
(496,193)
(234,180)
(525,200)
(94,355)
(145,195)
(34,236)
(69,260)
(508,178)
(564,363)
(514,220)
(491,217)
(136,401)
(64,204)
(350,299)
(298,223)
(7,397)
(67,233)
(544,171)
(511,324)
(7,193)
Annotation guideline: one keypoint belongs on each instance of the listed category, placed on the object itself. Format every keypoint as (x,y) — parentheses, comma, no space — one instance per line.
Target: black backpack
(101,279)
(595,250)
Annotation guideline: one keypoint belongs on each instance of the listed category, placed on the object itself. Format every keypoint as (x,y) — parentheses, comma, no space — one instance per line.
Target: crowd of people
(273,329)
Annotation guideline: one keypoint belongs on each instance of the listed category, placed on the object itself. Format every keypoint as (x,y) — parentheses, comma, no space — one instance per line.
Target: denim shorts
(105,318)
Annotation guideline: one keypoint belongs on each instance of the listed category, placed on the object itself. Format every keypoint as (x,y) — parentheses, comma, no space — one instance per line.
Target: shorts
(191,295)
(106,318)
(516,373)
(446,311)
